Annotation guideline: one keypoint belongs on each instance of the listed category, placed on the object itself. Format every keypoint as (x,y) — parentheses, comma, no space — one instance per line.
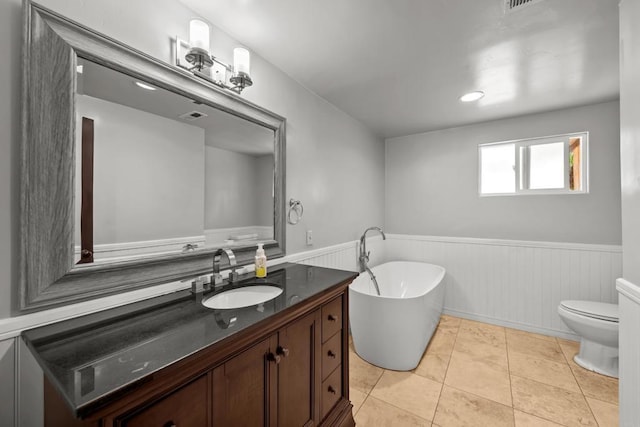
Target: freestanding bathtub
(392,330)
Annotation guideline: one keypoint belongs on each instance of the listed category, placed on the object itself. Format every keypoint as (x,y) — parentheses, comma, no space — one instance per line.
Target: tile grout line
(584,397)
(389,403)
(537,415)
(412,373)
(481,397)
(511,389)
(545,384)
(447,369)
(361,405)
(367,394)
(398,407)
(564,364)
(506,349)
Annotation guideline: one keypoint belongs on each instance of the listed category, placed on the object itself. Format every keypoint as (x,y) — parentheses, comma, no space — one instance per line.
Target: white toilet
(597,325)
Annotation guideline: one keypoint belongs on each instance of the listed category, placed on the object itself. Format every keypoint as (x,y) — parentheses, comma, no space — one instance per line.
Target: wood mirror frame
(47,272)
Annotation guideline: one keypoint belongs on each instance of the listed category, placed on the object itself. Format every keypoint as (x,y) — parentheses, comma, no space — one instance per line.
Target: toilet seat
(595,310)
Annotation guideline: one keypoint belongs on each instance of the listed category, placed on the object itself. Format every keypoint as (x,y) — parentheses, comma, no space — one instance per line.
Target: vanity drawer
(182,408)
(331,318)
(331,354)
(331,390)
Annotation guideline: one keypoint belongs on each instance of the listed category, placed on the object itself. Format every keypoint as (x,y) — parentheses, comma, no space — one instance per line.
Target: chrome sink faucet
(217,277)
(364,255)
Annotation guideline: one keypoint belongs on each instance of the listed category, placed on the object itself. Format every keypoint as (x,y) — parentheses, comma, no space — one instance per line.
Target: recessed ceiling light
(145,86)
(472,96)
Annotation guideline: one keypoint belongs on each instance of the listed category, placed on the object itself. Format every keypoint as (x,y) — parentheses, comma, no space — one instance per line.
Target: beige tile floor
(476,374)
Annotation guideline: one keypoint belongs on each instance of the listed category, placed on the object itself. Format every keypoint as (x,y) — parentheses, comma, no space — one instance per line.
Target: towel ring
(295,206)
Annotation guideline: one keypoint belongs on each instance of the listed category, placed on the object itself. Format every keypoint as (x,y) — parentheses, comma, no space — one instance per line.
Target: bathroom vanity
(165,361)
(170,361)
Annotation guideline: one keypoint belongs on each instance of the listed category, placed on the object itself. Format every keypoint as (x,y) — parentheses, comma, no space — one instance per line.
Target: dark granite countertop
(90,357)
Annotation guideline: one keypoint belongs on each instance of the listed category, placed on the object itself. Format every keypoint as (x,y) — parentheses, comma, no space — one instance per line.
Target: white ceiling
(400,66)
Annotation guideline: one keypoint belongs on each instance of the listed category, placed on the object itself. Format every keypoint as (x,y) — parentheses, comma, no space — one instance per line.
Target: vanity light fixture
(195,57)
(472,96)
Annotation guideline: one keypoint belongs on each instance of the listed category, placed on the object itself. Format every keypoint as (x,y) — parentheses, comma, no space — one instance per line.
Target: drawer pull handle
(273,358)
(284,352)
(332,318)
(170,424)
(331,390)
(331,354)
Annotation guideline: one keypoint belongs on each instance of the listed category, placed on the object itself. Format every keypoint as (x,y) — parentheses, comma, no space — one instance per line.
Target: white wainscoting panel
(342,257)
(629,353)
(8,382)
(515,283)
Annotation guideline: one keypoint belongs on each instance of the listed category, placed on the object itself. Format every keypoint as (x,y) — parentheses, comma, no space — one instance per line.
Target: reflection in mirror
(147,187)
(159,173)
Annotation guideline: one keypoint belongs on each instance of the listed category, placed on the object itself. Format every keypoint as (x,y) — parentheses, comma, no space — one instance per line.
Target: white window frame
(521,163)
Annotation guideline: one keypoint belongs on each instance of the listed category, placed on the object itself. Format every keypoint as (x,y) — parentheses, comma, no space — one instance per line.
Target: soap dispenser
(261,262)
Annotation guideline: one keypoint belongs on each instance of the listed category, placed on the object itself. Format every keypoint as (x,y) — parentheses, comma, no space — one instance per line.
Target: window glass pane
(497,169)
(546,166)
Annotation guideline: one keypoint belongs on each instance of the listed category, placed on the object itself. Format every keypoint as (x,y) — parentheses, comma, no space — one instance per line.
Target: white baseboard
(514,325)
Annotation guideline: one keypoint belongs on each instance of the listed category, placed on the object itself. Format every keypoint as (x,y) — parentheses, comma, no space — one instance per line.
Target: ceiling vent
(193,115)
(515,5)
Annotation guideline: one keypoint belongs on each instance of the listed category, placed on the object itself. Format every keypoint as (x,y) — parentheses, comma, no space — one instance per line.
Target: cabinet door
(186,407)
(241,388)
(299,372)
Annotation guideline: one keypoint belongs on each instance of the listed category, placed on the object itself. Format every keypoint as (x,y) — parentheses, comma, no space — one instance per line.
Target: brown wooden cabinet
(298,373)
(281,381)
(289,371)
(241,388)
(274,383)
(180,409)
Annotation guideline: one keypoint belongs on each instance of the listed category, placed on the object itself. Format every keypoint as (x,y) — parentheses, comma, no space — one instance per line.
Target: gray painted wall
(149,174)
(432,182)
(334,164)
(264,190)
(233,186)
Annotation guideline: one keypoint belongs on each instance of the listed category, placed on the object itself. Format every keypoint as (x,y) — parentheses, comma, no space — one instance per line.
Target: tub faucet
(217,277)
(364,255)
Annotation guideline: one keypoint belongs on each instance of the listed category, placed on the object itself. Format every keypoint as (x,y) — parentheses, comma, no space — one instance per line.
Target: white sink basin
(242,297)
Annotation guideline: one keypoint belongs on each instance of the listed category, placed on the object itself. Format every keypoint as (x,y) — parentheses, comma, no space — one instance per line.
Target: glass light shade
(241,61)
(144,86)
(199,34)
(472,96)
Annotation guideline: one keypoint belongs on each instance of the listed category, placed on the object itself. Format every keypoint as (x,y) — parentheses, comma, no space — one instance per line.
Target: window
(549,165)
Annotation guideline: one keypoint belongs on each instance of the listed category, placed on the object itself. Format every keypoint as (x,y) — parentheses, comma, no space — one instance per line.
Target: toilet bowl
(597,325)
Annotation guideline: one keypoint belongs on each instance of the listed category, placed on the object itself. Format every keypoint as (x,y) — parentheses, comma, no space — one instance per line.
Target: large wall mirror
(134,171)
